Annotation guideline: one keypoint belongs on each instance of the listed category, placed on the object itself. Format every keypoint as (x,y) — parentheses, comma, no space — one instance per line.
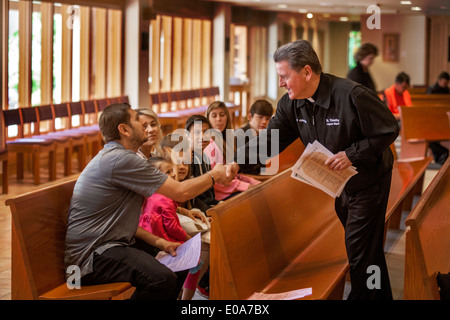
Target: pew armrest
(94,292)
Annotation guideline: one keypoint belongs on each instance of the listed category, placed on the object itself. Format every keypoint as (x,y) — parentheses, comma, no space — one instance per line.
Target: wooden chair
(155,101)
(214,93)
(124,99)
(33,146)
(39,221)
(427,248)
(175,103)
(4,160)
(184,99)
(92,135)
(113,100)
(195,96)
(31,115)
(101,104)
(61,111)
(90,114)
(205,98)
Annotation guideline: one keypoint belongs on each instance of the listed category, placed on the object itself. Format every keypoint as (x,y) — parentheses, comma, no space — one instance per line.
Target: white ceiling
(350,7)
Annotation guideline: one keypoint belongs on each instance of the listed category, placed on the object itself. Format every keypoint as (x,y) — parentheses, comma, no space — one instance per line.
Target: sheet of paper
(310,167)
(188,255)
(290,295)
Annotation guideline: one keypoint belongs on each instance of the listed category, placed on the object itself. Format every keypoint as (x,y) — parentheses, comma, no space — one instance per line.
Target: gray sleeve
(132,172)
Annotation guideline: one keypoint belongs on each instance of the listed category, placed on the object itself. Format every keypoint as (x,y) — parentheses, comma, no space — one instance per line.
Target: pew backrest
(259,232)
(40,219)
(428,239)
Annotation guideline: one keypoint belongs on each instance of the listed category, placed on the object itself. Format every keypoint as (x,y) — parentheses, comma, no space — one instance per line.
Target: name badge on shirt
(332,122)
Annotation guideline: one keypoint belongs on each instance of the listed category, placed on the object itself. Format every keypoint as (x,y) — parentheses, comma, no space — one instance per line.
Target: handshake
(224,174)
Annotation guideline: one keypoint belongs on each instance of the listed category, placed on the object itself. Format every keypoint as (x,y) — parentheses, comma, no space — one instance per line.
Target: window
(13,56)
(61,53)
(354,42)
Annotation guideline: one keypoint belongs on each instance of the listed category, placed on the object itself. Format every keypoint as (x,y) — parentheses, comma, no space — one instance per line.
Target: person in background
(197,126)
(219,117)
(364,57)
(441,86)
(150,121)
(440,153)
(397,94)
(258,117)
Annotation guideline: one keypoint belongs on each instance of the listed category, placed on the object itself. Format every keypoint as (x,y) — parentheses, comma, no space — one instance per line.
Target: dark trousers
(440,153)
(136,264)
(362,214)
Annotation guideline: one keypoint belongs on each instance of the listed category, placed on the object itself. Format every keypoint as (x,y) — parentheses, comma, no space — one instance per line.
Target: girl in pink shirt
(219,117)
(159,213)
(159,216)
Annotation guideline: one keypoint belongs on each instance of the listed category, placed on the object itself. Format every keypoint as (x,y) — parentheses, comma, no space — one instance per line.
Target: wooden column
(221,49)
(25,12)
(177,54)
(66,55)
(114,53)
(47,53)
(99,52)
(85,52)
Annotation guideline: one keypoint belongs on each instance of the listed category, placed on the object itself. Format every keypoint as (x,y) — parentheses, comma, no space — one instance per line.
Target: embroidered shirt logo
(332,122)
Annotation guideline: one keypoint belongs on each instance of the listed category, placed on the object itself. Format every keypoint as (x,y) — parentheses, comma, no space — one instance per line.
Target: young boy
(197,125)
(259,116)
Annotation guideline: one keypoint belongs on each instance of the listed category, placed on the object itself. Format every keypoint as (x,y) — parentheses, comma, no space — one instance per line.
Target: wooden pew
(406,175)
(38,244)
(419,126)
(273,238)
(286,159)
(431,98)
(296,240)
(428,239)
(4,160)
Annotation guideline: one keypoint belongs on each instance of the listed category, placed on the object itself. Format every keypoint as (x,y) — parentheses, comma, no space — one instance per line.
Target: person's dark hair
(298,54)
(111,117)
(402,77)
(174,139)
(444,75)
(196,117)
(261,107)
(365,50)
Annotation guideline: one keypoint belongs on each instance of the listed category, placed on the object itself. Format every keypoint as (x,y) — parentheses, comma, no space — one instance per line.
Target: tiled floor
(395,241)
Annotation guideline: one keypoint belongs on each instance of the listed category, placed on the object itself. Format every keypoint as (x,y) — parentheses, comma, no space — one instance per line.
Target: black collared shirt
(344,117)
(436,88)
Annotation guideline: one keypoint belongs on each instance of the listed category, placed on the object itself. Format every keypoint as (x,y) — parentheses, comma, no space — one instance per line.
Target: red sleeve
(170,220)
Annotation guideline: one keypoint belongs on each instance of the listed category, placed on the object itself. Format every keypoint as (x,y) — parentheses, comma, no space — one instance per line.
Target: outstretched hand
(224,174)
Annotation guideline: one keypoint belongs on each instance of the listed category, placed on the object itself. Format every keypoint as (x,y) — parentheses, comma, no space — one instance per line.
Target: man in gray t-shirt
(103,238)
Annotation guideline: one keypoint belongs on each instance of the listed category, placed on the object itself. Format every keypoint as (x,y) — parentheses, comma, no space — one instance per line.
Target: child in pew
(192,219)
(198,126)
(260,113)
(222,147)
(176,147)
(159,217)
